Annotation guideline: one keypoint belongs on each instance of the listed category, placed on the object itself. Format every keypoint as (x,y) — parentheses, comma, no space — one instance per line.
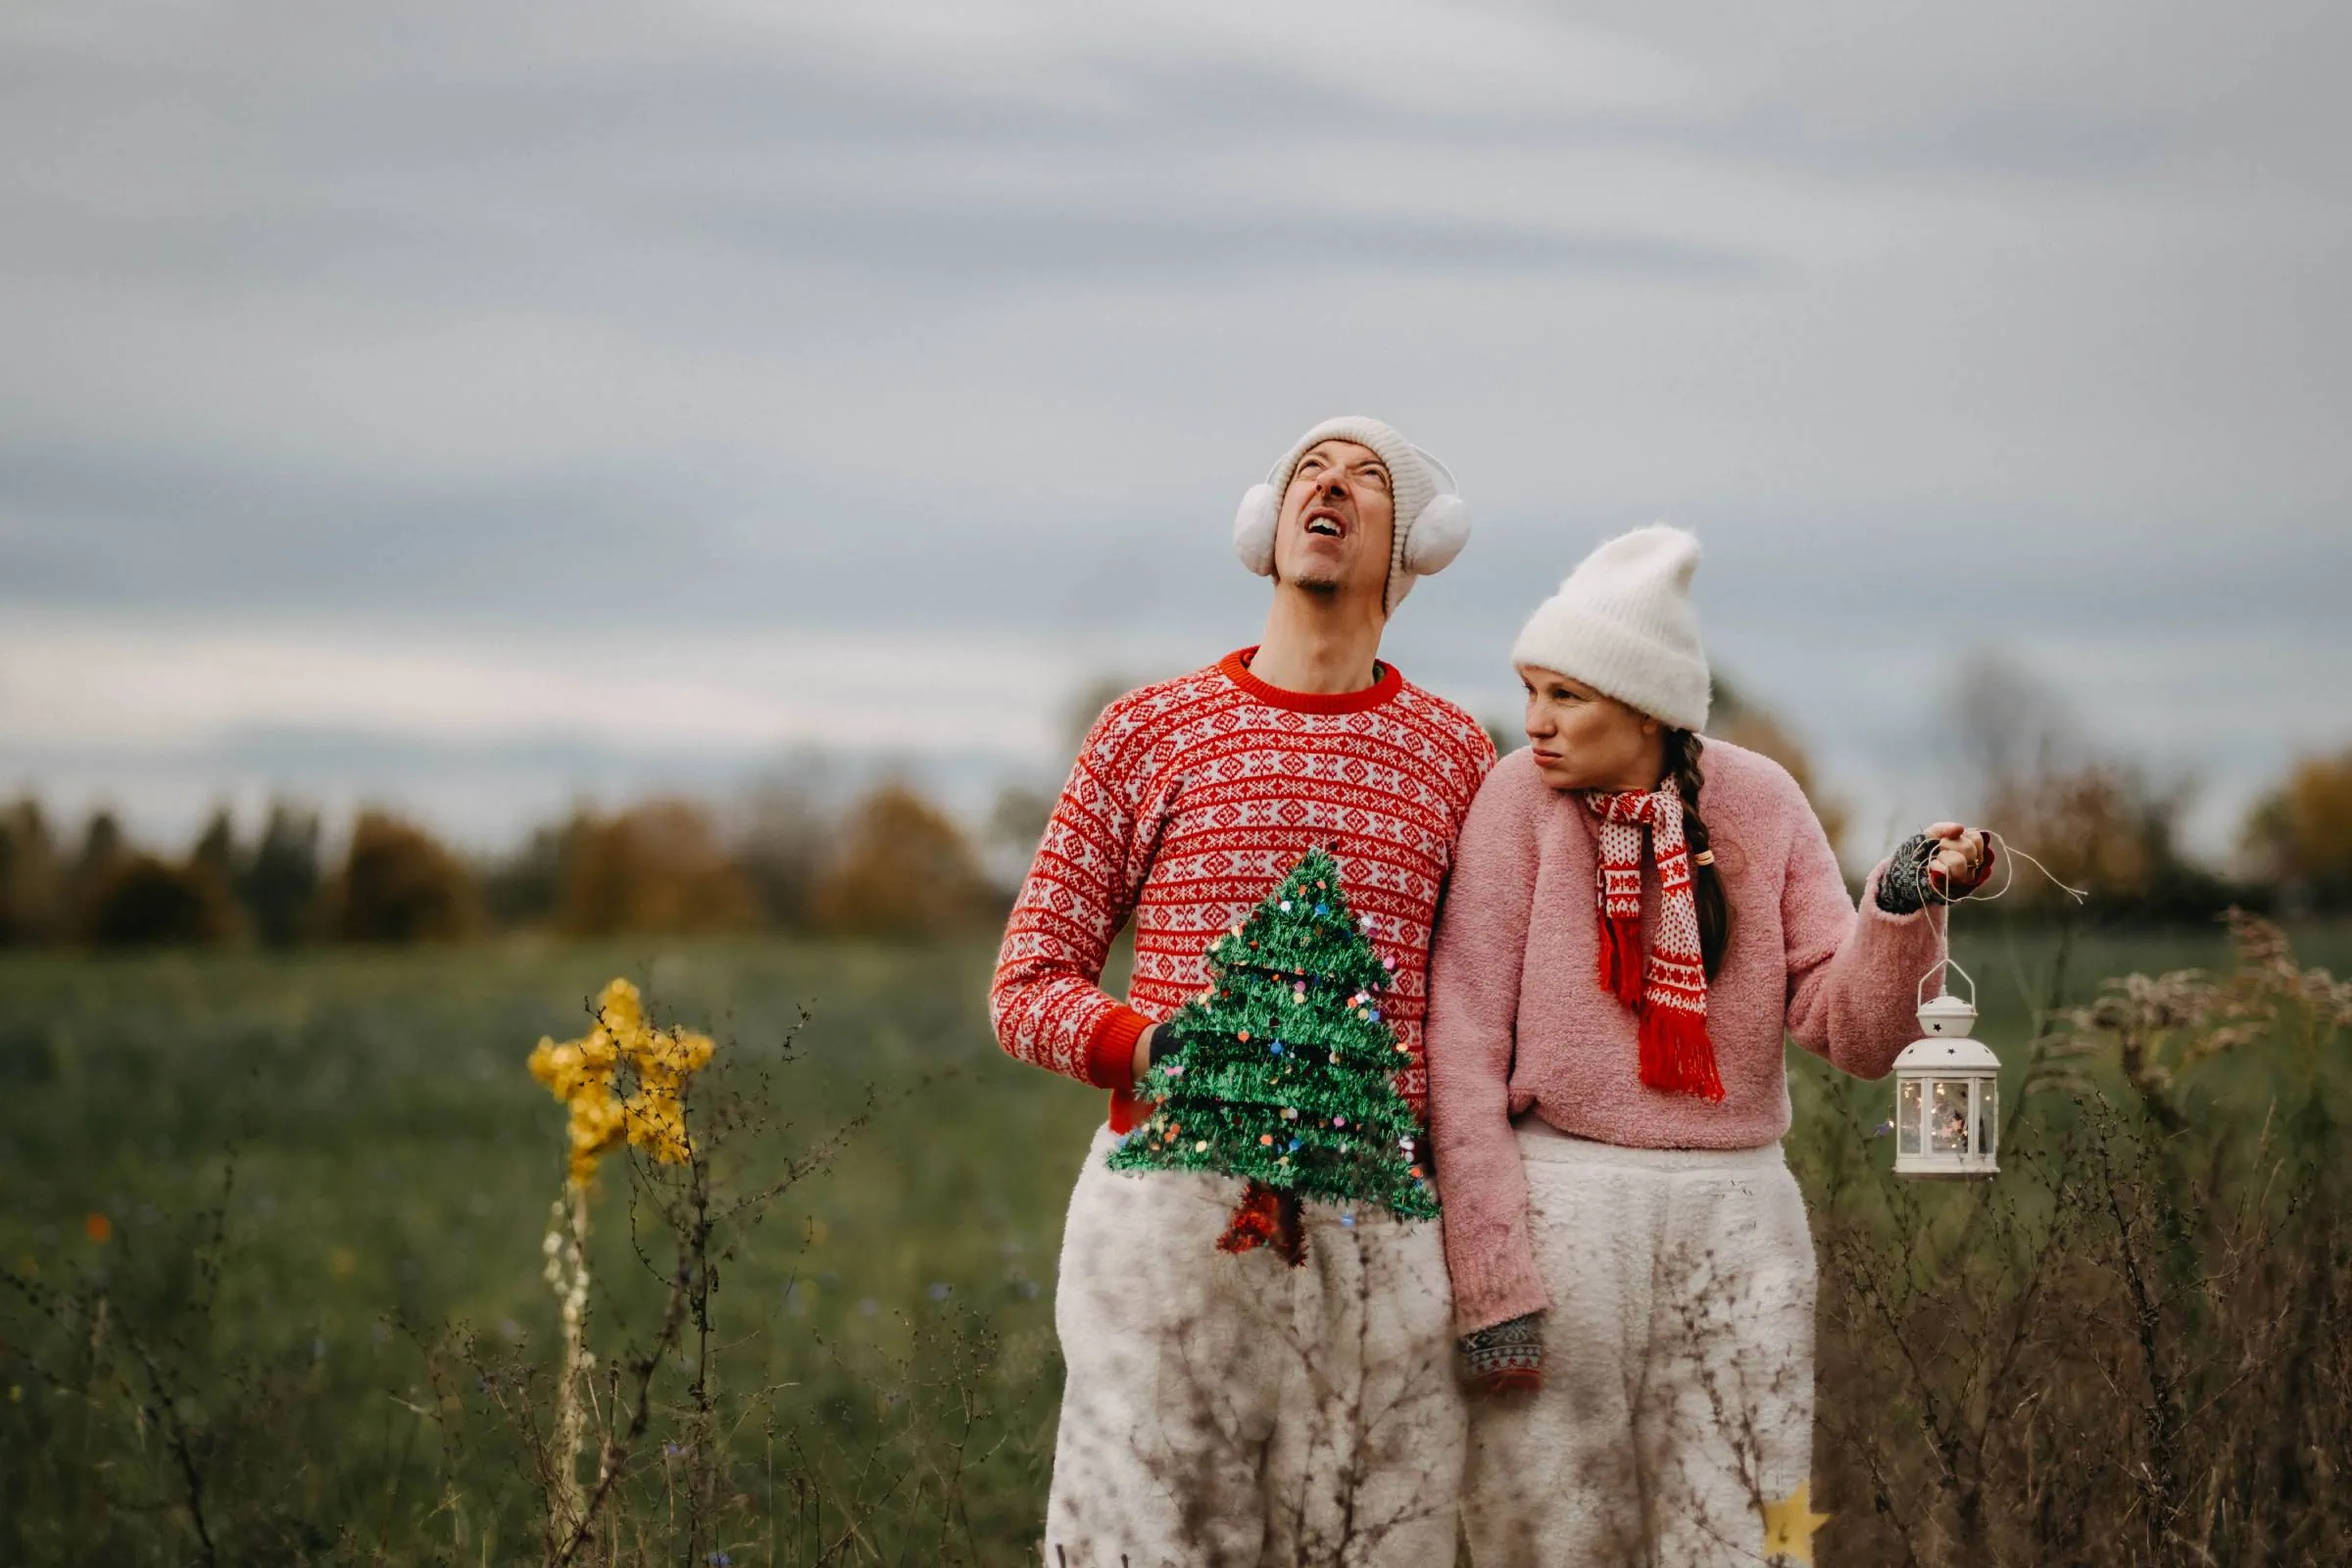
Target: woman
(1633,920)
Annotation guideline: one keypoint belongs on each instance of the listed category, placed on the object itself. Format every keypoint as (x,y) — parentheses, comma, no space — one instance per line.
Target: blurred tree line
(2107,824)
(891,862)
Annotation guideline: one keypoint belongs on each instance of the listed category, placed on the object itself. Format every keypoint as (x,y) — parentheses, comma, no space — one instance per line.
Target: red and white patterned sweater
(1190,800)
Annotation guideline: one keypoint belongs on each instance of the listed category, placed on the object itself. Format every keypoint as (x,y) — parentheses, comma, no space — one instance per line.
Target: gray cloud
(968,321)
(979,247)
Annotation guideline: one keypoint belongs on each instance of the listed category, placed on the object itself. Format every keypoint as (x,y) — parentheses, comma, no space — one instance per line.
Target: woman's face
(1585,741)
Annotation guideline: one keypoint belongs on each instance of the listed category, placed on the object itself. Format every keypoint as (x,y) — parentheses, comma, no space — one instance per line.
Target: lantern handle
(1947,961)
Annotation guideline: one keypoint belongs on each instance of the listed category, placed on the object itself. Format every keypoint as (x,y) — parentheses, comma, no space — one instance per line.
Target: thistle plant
(2158,1029)
(589,1075)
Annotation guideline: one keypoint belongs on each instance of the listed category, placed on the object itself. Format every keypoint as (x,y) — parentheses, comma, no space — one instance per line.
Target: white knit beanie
(1432,521)
(1622,623)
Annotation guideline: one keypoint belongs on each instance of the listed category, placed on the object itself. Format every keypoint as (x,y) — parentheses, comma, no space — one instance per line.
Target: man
(1226,1408)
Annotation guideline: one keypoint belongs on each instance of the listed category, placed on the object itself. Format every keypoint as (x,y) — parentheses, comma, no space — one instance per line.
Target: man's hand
(1143,1052)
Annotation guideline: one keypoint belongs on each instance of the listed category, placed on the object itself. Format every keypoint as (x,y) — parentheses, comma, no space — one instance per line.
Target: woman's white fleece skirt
(1678,1362)
(1226,1411)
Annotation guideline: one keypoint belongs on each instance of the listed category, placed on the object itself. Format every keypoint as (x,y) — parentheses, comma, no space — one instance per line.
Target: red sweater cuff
(1111,1053)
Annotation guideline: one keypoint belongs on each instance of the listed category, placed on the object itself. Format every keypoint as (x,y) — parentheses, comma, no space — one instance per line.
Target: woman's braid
(1707,881)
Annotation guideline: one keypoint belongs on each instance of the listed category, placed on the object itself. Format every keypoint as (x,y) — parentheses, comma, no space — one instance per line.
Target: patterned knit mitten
(1907,885)
(1505,1359)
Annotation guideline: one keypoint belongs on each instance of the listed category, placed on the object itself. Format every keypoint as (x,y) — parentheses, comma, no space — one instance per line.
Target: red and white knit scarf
(1670,991)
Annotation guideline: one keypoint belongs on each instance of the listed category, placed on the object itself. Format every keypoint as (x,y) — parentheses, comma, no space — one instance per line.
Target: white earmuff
(1254,529)
(1438,535)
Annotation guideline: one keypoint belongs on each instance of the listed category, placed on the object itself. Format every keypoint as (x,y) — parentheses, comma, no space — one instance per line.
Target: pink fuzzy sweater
(1518,1022)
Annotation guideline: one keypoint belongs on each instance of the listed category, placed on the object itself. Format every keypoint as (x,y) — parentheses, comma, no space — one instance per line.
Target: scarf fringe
(1676,1053)
(1265,1218)
(1621,959)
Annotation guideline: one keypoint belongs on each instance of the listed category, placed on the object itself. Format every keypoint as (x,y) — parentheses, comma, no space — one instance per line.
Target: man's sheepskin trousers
(1232,1411)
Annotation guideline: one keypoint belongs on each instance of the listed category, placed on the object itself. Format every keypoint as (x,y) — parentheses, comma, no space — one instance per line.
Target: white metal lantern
(1948,1090)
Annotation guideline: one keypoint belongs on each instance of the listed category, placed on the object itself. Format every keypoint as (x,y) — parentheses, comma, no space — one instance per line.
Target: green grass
(392,1169)
(394,1164)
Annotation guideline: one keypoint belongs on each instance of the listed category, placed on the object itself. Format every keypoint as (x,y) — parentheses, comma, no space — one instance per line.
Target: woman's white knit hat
(1622,623)
(1432,521)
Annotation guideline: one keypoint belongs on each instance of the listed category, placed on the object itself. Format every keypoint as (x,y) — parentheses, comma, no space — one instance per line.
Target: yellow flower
(598,1127)
(557,1066)
(666,1060)
(658,1125)
(599,1056)
(619,1008)
(581,1073)
(576,1066)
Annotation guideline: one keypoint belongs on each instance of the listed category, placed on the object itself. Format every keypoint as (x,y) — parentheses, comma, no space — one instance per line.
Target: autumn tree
(657,866)
(143,900)
(2300,835)
(782,836)
(524,886)
(400,884)
(217,862)
(33,884)
(903,869)
(2096,821)
(280,883)
(103,847)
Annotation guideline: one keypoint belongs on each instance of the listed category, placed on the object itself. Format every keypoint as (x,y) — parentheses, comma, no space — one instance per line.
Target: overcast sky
(470,404)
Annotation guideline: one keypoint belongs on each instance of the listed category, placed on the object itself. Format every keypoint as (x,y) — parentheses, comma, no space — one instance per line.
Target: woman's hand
(1143,1052)
(1505,1359)
(1946,862)
(1958,860)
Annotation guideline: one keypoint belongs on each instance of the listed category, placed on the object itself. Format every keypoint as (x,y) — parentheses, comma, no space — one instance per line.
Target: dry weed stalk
(2119,1352)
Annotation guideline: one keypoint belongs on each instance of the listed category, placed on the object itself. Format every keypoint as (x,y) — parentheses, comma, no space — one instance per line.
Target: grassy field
(388,1166)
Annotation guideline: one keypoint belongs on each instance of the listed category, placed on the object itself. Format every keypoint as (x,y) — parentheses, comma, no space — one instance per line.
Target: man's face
(1338,520)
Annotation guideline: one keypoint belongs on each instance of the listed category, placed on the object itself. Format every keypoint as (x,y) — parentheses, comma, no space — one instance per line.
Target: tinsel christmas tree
(1285,1075)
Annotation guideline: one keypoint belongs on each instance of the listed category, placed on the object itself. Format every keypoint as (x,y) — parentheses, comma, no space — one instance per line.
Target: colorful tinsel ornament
(1318,1114)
